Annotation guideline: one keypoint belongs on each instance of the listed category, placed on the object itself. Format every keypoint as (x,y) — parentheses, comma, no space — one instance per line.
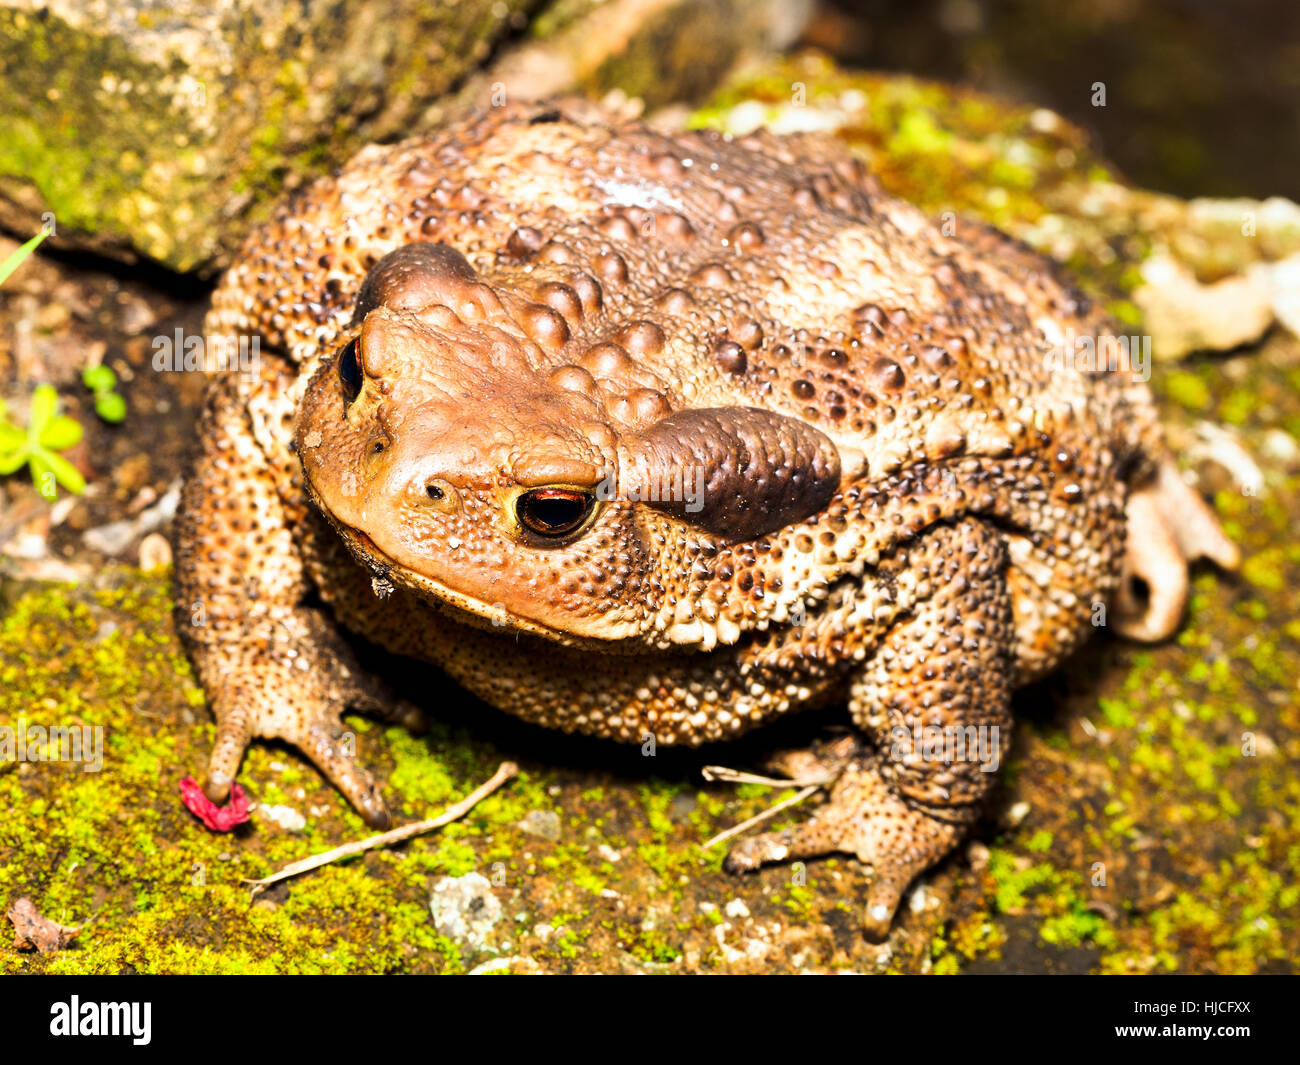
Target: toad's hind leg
(933,703)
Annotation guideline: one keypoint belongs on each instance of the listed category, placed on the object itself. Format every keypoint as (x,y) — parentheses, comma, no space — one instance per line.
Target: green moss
(975,935)
(1187,389)
(1055,895)
(919,134)
(1266,570)
(568,943)
(653,946)
(1076,927)
(1013,882)
(168,896)
(800,899)
(1239,406)
(1039,842)
(1116,712)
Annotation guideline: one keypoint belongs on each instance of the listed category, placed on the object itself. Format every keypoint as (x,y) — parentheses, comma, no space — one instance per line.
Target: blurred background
(1203,96)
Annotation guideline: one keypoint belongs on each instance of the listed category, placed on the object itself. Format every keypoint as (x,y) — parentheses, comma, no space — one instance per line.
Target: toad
(645,435)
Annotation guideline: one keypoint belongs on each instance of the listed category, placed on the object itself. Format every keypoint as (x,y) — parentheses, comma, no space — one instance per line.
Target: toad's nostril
(439,494)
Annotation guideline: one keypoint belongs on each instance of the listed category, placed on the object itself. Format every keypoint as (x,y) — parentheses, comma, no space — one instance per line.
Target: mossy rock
(162,131)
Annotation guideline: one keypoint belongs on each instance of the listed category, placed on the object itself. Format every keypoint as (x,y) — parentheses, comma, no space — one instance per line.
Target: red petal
(217,818)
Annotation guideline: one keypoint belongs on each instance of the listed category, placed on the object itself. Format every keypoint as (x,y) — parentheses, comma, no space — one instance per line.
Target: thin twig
(765,815)
(738,776)
(505,771)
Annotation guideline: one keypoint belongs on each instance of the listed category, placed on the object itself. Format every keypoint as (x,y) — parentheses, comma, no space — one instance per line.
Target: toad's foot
(933,701)
(295,688)
(1169,525)
(865,817)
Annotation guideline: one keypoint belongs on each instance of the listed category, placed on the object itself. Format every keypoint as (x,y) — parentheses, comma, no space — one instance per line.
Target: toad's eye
(553,512)
(349,371)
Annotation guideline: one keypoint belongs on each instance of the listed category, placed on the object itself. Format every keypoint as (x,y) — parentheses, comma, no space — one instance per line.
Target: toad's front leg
(933,704)
(272,667)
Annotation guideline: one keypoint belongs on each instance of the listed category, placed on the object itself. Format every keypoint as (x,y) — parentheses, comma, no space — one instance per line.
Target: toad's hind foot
(296,691)
(865,817)
(1169,525)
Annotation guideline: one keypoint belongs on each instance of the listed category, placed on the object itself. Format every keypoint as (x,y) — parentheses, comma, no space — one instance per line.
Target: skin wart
(628,433)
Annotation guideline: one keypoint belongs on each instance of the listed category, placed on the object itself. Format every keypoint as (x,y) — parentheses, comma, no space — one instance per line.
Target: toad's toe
(329,746)
(1169,525)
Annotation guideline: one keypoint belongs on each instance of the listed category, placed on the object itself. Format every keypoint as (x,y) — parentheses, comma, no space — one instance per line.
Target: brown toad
(642,434)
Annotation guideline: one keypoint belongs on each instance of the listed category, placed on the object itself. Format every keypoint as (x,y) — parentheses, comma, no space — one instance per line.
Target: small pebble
(464,909)
(543,823)
(285,816)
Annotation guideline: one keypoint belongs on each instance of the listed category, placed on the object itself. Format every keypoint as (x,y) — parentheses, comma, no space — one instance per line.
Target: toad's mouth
(467,609)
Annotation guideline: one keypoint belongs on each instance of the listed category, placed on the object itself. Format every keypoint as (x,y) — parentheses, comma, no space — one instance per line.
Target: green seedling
(37,446)
(16,258)
(101,380)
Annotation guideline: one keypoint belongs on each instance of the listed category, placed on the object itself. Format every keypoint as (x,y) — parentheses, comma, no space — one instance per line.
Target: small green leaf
(43,476)
(64,471)
(99,378)
(12,461)
(61,434)
(45,403)
(11,437)
(110,406)
(15,258)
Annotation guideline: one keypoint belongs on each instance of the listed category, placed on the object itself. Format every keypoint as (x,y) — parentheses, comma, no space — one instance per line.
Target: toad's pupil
(552,511)
(349,369)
